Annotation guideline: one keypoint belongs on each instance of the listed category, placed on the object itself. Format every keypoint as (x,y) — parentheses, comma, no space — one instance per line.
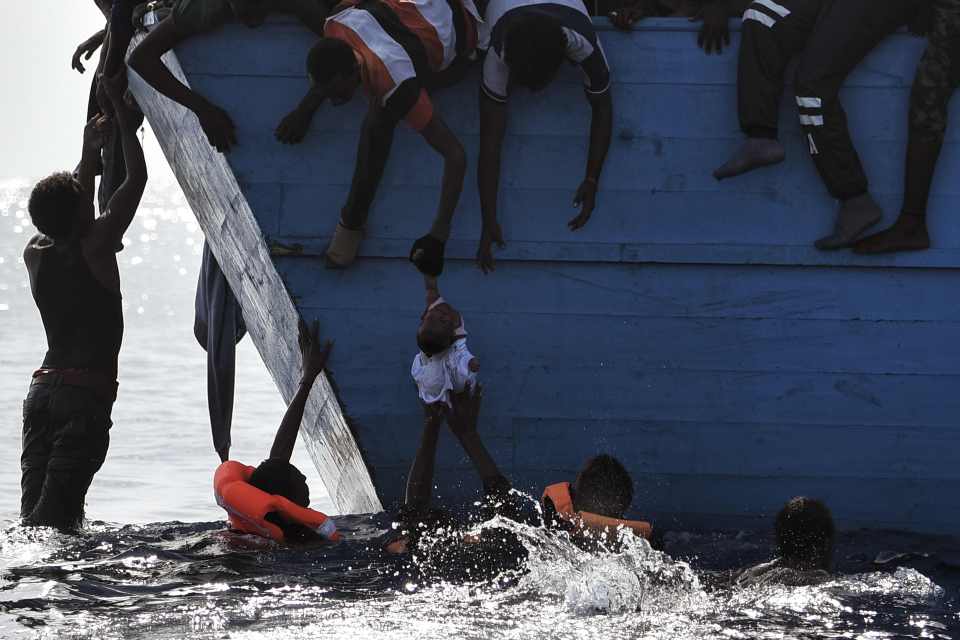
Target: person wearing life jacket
(596,501)
(398,52)
(272,500)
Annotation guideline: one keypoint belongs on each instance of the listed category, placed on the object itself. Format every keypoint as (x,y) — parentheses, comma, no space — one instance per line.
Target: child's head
(604,487)
(805,533)
(280,478)
(437,328)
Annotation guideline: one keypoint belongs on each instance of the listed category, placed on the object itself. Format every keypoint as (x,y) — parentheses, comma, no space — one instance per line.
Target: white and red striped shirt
(391,37)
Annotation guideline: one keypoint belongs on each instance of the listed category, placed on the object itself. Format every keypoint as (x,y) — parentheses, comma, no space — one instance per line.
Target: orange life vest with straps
(248,506)
(559,495)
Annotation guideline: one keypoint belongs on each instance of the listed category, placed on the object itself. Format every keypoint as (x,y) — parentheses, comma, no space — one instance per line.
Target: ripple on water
(174,580)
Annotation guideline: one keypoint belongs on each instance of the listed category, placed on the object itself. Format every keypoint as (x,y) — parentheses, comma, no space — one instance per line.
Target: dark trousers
(846,32)
(773,33)
(66,432)
(938,73)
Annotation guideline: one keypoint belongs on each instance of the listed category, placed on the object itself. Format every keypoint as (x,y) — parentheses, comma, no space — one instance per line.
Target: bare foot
(755,153)
(856,215)
(908,233)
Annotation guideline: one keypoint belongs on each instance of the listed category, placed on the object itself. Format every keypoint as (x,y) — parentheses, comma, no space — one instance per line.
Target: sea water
(154,561)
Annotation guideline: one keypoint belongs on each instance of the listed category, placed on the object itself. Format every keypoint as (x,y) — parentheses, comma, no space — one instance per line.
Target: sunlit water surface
(176,574)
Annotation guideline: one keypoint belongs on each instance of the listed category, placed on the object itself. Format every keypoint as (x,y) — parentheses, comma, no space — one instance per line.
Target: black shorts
(66,432)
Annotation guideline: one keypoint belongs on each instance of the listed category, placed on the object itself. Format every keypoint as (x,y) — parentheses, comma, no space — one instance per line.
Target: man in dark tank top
(75,282)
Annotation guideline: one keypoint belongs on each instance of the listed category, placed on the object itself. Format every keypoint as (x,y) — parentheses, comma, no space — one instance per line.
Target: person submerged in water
(589,509)
(444,365)
(804,533)
(187,18)
(272,500)
(75,282)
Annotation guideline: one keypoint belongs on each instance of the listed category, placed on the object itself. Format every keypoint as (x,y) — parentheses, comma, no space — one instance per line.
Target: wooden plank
(664,291)
(542,391)
(271,318)
(657,51)
(557,341)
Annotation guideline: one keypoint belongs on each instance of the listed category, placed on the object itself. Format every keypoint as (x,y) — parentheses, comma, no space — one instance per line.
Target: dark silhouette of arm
(147,61)
(493,127)
(420,478)
(444,142)
(314,357)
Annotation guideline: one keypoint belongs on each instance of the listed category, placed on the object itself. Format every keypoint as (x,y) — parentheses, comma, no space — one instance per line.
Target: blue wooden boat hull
(691,329)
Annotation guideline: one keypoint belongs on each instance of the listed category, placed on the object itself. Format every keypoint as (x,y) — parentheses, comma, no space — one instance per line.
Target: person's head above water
(437,329)
(604,487)
(333,70)
(805,533)
(280,478)
(59,207)
(535,48)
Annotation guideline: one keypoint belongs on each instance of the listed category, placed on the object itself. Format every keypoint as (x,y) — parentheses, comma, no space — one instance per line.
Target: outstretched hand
(489,237)
(219,127)
(94,132)
(294,126)
(626,16)
(313,354)
(715,32)
(434,413)
(86,49)
(465,410)
(427,255)
(586,199)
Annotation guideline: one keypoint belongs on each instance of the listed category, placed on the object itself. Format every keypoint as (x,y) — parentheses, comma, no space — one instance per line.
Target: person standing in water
(75,282)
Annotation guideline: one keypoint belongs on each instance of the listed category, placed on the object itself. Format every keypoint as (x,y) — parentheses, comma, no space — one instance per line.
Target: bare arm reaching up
(314,358)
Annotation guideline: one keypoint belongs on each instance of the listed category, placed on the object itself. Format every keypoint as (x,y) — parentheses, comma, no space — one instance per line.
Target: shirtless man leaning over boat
(75,282)
(192,17)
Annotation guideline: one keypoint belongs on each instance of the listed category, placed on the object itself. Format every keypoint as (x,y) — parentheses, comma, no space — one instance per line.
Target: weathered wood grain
(270,317)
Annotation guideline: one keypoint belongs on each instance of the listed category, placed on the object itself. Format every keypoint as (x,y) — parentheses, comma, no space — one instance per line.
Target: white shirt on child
(439,375)
(436,376)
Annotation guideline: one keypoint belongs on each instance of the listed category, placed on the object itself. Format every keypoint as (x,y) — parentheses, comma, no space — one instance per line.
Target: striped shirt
(583,46)
(401,42)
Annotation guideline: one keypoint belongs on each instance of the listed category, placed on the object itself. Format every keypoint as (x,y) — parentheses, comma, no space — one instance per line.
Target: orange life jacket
(559,495)
(248,506)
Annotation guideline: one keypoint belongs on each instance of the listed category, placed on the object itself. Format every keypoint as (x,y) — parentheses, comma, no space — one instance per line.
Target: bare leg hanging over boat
(937,77)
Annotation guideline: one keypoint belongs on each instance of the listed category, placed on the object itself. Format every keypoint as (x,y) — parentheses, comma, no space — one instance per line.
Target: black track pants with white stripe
(774,31)
(846,32)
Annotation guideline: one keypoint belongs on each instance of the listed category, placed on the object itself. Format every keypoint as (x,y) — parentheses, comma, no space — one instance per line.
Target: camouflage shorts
(938,73)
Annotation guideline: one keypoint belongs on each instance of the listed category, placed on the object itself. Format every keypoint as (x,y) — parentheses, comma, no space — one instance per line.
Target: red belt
(95,381)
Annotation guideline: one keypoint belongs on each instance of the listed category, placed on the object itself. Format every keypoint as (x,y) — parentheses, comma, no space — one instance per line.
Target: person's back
(75,282)
(83,319)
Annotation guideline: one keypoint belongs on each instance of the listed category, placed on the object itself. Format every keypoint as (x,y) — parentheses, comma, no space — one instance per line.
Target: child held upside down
(444,364)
